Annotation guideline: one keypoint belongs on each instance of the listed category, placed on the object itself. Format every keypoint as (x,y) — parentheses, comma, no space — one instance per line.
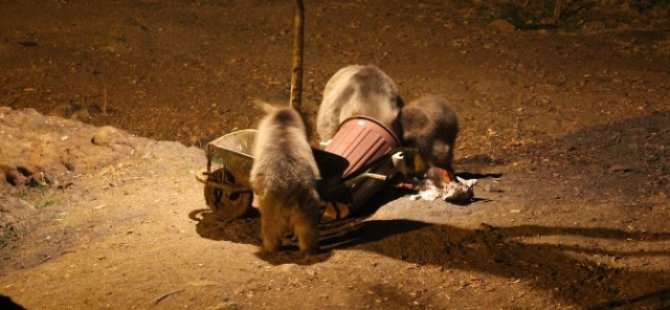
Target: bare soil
(104,106)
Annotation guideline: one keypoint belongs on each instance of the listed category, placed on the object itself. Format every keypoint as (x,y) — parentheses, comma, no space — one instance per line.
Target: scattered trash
(428,191)
(459,191)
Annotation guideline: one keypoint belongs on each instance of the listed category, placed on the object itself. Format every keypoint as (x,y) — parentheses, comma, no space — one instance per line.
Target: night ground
(567,126)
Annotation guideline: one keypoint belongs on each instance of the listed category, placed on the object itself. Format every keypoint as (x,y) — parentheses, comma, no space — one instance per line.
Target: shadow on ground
(501,252)
(8,304)
(498,251)
(615,159)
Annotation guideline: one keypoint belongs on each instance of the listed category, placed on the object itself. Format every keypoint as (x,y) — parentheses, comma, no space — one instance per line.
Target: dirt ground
(104,106)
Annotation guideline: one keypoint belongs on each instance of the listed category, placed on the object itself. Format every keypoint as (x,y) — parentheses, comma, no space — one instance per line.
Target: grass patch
(46,202)
(21,193)
(7,237)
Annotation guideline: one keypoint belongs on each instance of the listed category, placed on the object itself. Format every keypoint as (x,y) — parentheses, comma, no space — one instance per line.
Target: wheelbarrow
(353,167)
(226,178)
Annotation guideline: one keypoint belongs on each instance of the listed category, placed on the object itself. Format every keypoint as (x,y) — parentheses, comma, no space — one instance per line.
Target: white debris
(459,191)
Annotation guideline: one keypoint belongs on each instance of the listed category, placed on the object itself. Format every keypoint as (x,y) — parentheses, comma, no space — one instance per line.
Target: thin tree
(296,66)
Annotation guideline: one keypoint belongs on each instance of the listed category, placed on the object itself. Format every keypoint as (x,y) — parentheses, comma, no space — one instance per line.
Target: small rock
(289,268)
(619,168)
(105,136)
(501,25)
(14,178)
(483,227)
(493,188)
(228,305)
(81,115)
(65,109)
(94,109)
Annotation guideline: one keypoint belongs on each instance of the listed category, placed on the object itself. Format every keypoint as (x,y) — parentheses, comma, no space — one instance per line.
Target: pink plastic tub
(361,140)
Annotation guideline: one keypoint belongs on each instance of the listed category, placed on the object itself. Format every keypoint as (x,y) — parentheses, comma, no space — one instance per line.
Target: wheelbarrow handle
(366,175)
(356,174)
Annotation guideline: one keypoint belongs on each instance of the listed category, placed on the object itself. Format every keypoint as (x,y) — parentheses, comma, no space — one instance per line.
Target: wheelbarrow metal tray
(227,191)
(234,151)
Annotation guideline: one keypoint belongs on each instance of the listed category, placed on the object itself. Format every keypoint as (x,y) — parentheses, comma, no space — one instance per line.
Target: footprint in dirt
(24,176)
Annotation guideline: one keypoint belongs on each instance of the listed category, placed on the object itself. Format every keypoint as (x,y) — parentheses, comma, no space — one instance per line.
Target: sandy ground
(568,131)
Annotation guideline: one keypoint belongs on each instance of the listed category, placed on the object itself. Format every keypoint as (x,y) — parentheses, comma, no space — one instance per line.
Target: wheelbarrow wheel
(225,205)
